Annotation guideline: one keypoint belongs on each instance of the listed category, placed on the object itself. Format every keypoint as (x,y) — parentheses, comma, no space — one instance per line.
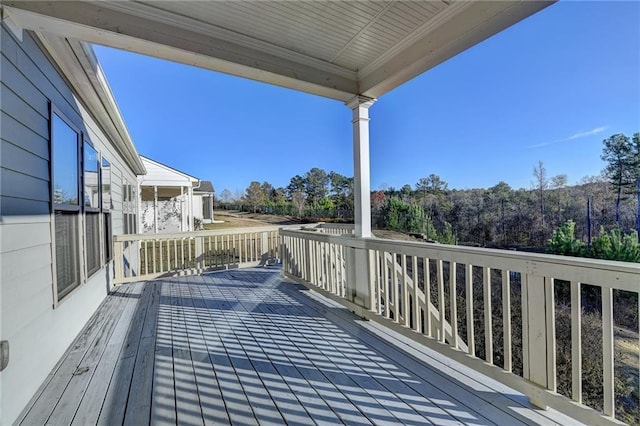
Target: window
(106,208)
(106,185)
(108,237)
(92,241)
(129,209)
(91,179)
(81,206)
(65,184)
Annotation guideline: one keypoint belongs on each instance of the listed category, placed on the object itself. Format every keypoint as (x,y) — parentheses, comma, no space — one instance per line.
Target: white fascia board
(92,91)
(125,26)
(459,27)
(165,183)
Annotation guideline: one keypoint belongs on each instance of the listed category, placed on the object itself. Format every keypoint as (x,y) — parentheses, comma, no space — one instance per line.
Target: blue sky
(550,88)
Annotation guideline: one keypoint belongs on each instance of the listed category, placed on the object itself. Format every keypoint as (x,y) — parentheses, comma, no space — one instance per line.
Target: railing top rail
(606,273)
(193,234)
(207,233)
(336,225)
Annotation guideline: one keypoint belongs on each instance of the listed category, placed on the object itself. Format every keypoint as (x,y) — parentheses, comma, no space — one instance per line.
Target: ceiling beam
(153,32)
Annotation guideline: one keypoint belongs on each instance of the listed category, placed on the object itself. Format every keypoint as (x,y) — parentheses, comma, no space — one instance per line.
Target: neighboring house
(171,199)
(68,178)
(203,202)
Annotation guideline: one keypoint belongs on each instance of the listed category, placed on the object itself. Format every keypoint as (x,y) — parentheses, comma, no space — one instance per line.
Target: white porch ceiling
(336,49)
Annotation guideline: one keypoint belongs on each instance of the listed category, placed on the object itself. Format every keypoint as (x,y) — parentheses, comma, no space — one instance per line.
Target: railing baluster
(334,269)
(146,257)
(488,328)
(175,254)
(326,265)
(441,309)
(576,342)
(209,253)
(189,241)
(506,319)
(319,266)
(453,309)
(378,291)
(153,254)
(396,302)
(471,342)
(607,351)
(427,296)
(550,312)
(256,247)
(405,291)
(387,302)
(416,298)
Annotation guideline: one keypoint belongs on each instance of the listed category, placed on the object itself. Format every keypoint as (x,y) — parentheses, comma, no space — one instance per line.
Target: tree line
(499,216)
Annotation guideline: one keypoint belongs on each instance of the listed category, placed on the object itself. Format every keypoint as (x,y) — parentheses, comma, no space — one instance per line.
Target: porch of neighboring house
(167,199)
(164,209)
(248,346)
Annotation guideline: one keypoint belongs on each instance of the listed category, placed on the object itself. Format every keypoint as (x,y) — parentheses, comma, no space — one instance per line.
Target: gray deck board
(52,393)
(115,401)
(95,393)
(247,347)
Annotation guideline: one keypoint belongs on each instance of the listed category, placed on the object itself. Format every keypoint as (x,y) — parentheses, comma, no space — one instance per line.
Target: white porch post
(360,107)
(358,265)
(183,209)
(155,209)
(190,218)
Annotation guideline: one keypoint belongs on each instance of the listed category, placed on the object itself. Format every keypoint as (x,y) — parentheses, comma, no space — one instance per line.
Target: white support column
(211,206)
(183,209)
(155,209)
(362,193)
(190,218)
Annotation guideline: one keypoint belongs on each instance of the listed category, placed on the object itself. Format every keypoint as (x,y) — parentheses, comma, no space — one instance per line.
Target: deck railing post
(535,328)
(199,247)
(264,239)
(118,263)
(358,273)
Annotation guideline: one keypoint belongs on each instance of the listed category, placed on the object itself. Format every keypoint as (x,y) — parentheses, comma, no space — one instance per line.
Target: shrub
(564,241)
(616,246)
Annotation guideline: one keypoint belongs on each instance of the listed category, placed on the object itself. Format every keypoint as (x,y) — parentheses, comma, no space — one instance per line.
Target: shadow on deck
(249,347)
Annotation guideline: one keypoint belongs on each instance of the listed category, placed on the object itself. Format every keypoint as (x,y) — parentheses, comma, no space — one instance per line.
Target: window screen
(92,241)
(67,265)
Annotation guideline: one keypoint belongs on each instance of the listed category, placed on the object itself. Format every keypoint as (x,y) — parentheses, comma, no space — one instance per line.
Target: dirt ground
(235,219)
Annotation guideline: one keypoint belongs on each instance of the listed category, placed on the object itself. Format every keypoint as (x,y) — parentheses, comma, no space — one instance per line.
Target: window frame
(92,211)
(76,211)
(87,141)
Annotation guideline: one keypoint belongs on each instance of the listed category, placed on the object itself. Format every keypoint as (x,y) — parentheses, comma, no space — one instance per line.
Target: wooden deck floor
(247,347)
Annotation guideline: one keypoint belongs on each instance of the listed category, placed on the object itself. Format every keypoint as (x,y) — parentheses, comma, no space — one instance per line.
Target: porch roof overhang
(334,49)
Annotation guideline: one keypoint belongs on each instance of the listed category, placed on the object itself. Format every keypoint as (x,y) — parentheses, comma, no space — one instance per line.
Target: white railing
(336,228)
(500,297)
(147,256)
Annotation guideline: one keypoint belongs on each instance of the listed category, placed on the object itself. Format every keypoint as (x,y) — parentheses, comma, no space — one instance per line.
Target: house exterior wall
(38,333)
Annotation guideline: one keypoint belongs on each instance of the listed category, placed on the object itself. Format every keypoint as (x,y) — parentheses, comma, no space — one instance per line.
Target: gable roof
(205,186)
(159,174)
